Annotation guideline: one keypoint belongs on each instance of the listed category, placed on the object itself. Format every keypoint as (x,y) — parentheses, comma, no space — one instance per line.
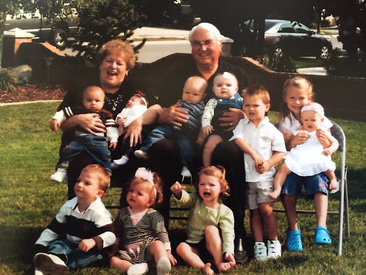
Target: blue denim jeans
(313,184)
(95,146)
(166,131)
(75,257)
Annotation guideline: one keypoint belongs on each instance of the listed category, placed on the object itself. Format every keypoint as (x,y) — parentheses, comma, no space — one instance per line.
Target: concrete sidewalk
(160,33)
(313,71)
(151,32)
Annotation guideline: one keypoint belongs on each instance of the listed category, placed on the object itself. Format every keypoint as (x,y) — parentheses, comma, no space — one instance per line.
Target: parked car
(30,21)
(293,38)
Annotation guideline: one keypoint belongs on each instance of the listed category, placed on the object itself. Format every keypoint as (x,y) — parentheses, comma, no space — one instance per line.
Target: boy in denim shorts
(263,146)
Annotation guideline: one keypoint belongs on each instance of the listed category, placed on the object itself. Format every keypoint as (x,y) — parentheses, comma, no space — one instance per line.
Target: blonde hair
(118,45)
(222,73)
(93,87)
(297,82)
(219,172)
(199,82)
(156,185)
(257,90)
(104,177)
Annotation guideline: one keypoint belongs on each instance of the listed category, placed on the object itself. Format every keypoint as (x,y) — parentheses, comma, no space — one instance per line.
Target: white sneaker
(138,269)
(185,172)
(274,249)
(163,266)
(141,154)
(60,175)
(122,161)
(38,272)
(48,263)
(260,251)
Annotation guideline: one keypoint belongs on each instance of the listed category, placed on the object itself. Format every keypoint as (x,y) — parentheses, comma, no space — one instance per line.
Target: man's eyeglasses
(206,43)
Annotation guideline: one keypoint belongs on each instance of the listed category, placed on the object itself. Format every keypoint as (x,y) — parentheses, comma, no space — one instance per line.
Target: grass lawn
(309,62)
(29,201)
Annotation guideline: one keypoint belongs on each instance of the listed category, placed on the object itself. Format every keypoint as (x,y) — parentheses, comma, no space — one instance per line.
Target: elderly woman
(164,155)
(116,58)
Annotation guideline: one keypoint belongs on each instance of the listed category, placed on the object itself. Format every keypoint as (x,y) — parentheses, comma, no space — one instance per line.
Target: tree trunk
(318,19)
(2,28)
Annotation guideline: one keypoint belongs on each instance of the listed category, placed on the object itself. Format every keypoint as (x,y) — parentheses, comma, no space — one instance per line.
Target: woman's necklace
(113,102)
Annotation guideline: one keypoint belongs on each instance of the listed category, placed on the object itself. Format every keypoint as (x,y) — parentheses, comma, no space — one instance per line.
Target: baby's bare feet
(275,194)
(206,269)
(224,266)
(334,185)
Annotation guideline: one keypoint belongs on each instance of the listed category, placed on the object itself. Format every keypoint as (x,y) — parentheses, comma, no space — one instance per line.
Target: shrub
(7,80)
(278,62)
(346,66)
(325,23)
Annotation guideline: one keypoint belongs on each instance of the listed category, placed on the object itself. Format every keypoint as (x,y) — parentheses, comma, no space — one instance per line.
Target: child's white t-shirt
(265,139)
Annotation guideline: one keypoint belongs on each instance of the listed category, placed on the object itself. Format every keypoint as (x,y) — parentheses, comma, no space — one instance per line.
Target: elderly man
(164,155)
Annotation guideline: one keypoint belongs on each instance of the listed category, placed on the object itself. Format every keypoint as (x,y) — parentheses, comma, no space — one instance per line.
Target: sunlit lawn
(29,201)
(308,62)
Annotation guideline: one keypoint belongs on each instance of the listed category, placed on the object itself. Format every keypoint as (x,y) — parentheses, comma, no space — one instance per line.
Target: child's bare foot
(275,194)
(207,269)
(334,185)
(223,266)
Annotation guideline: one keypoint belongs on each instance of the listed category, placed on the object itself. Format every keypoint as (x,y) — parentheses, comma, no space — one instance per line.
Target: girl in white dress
(297,93)
(135,107)
(309,158)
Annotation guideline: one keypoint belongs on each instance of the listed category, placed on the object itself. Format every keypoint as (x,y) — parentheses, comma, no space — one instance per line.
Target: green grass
(309,62)
(29,201)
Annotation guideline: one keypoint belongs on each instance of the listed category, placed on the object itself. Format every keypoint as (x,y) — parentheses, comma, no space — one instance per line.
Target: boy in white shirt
(263,146)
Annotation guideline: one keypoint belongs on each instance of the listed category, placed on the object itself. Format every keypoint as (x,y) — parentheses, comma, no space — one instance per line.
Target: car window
(268,25)
(286,27)
(300,28)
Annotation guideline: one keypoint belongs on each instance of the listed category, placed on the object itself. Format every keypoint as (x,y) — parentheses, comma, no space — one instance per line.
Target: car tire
(324,52)
(277,50)
(59,38)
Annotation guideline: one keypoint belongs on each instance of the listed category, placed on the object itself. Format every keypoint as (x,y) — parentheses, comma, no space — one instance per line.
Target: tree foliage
(54,10)
(104,20)
(8,7)
(99,20)
(158,12)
